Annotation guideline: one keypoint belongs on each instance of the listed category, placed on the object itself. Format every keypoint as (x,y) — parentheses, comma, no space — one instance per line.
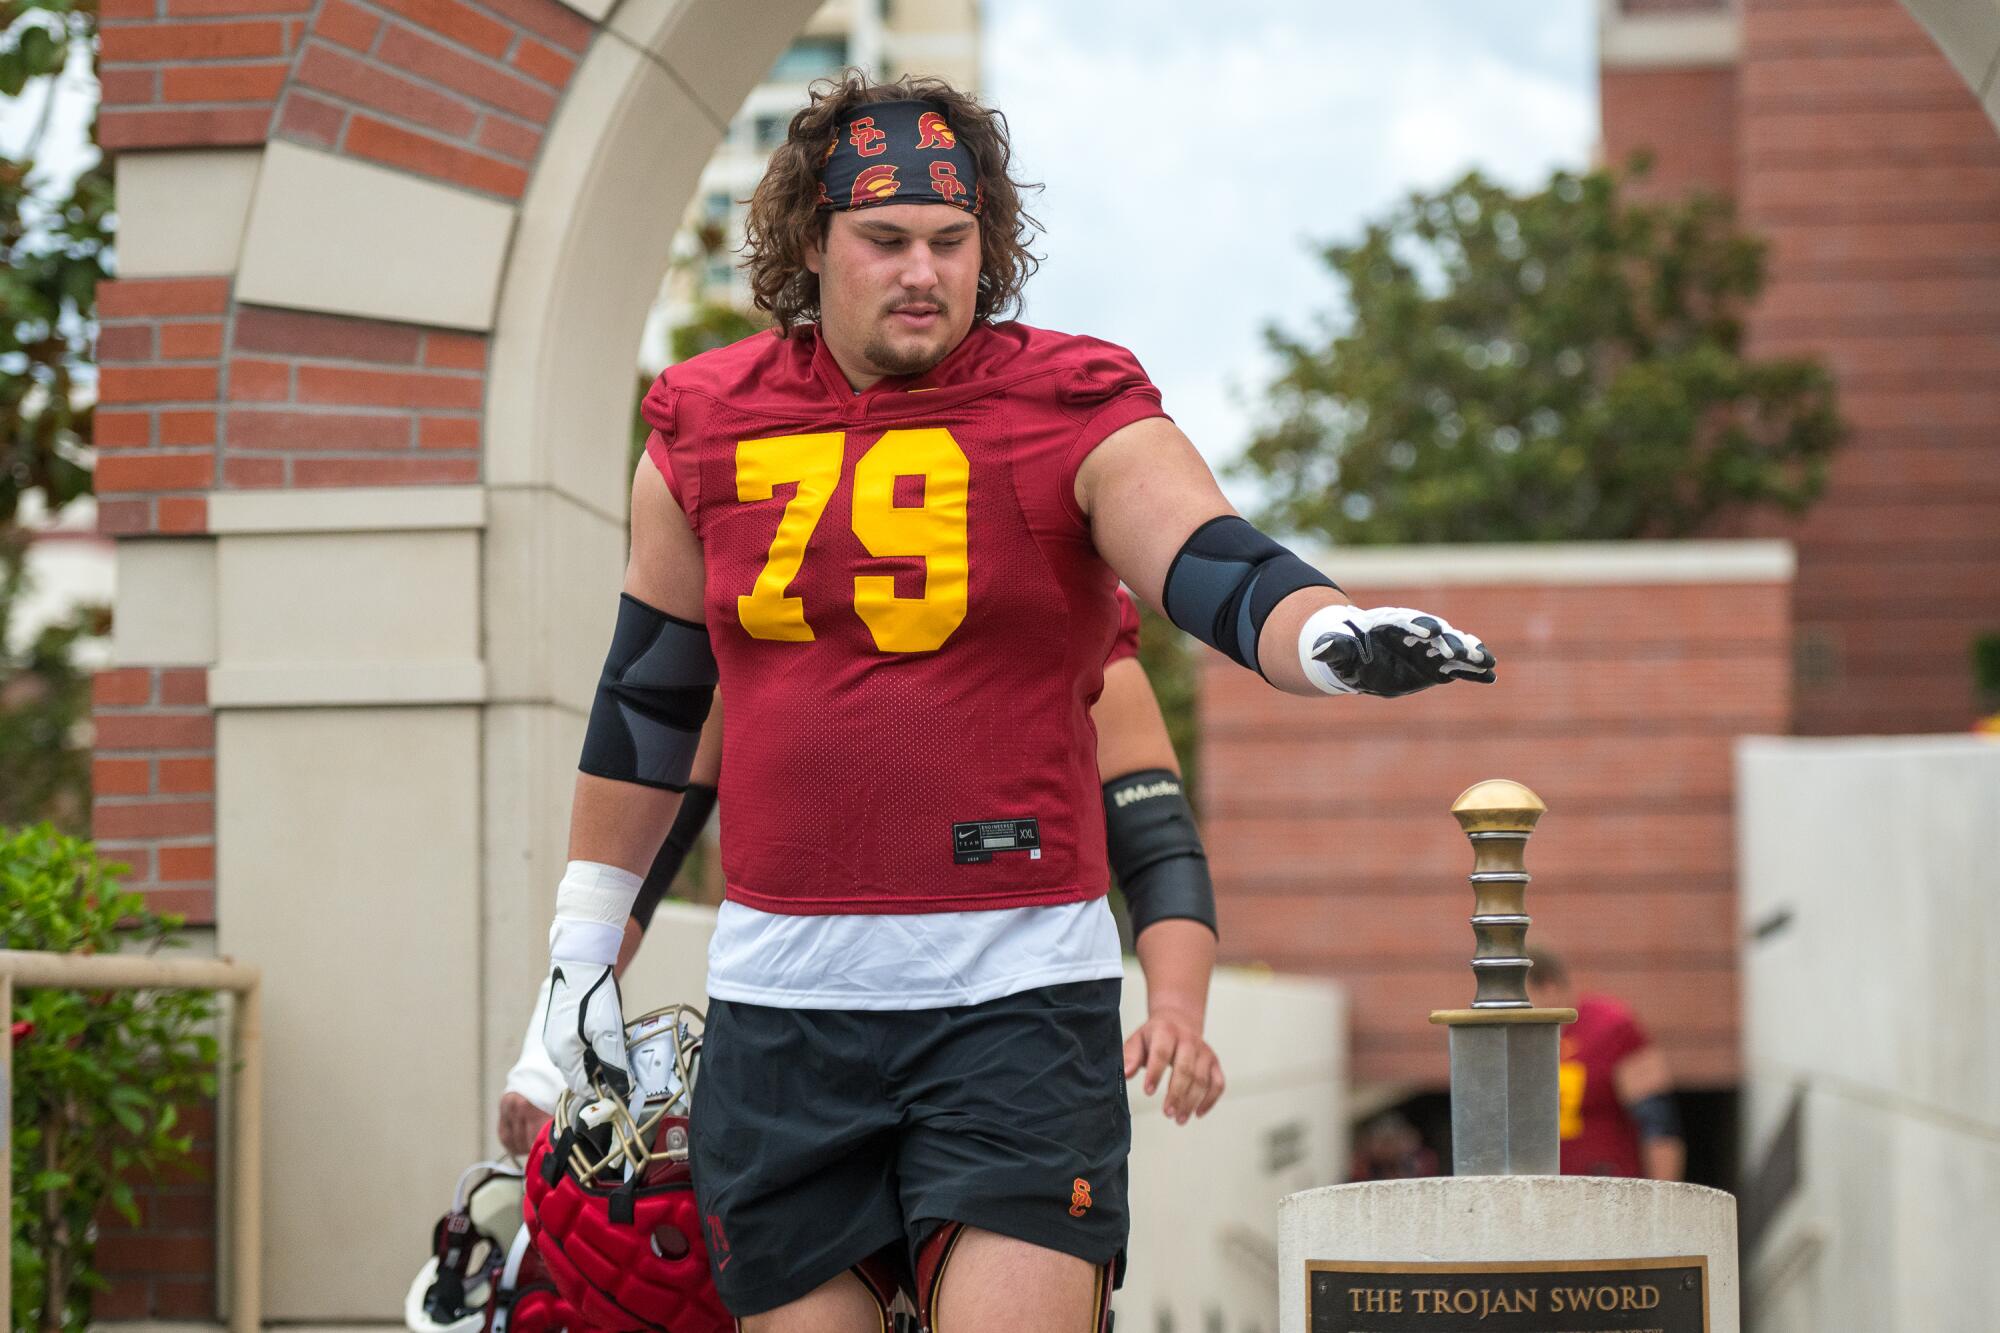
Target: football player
(1618,1113)
(891,528)
(1155,853)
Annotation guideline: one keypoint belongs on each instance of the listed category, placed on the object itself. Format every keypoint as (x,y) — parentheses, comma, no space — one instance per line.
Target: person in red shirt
(1135,758)
(1617,1112)
(891,529)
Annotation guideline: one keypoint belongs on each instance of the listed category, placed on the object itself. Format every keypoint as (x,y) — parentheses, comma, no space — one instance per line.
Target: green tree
(55,242)
(44,702)
(1565,364)
(711,325)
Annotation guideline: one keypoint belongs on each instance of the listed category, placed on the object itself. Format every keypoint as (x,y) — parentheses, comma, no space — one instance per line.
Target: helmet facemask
(616,1139)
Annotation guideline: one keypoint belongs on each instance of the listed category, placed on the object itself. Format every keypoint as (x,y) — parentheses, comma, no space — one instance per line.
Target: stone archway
(1968,32)
(367,384)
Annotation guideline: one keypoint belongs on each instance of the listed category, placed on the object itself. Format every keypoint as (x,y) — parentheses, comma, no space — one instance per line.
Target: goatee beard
(893,361)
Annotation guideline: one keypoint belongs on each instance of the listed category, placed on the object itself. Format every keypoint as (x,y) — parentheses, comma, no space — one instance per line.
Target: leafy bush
(98,1075)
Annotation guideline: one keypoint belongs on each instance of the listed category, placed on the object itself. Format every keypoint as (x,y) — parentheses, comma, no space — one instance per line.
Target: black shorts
(821,1137)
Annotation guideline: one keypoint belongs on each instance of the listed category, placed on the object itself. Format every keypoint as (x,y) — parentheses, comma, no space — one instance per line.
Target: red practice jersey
(1126,644)
(1599,1137)
(909,619)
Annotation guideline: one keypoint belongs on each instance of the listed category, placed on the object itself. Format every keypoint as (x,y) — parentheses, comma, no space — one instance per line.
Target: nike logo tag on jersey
(974,842)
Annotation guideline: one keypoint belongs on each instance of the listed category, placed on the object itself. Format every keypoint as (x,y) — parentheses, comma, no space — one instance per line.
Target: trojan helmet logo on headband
(882,147)
(875,185)
(933,132)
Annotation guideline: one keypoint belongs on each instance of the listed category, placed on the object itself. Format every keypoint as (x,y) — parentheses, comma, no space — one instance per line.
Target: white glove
(583,1026)
(1388,651)
(533,1075)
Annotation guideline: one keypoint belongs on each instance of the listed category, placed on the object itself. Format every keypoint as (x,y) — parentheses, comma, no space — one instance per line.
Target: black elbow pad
(1156,851)
(1225,582)
(653,696)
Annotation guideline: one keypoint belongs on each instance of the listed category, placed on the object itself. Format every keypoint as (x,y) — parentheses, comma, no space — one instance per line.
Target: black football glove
(1393,650)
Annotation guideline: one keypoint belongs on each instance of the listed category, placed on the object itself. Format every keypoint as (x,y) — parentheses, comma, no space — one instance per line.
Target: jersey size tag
(976,841)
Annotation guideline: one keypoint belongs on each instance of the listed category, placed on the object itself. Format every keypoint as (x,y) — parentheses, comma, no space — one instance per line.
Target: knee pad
(879,1278)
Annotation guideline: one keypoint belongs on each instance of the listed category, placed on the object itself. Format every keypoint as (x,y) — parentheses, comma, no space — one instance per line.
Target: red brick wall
(182,72)
(1328,826)
(164,1268)
(1871,168)
(441,88)
(160,348)
(153,793)
(199,394)
(1684,119)
(1873,174)
(153,784)
(318,400)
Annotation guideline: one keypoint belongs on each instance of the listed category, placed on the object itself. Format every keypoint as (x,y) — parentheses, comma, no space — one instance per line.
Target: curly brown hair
(785,215)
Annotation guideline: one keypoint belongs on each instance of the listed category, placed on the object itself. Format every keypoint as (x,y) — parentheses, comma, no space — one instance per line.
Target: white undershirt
(927,960)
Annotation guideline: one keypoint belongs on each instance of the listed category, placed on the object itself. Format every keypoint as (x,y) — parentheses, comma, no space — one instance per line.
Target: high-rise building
(887,38)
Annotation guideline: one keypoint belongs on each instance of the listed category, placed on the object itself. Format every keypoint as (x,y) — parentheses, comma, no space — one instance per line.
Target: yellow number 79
(933,531)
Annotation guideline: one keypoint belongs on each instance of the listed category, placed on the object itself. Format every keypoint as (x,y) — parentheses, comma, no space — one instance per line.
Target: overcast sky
(1192,153)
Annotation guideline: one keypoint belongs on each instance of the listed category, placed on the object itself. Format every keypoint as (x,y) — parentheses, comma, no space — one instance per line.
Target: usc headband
(898,153)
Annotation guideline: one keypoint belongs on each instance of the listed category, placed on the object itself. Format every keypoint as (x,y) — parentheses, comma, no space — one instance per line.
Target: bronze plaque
(1554,1296)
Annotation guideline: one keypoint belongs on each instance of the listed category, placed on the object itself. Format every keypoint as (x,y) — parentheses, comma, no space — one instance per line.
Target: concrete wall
(1872,922)
(1204,1248)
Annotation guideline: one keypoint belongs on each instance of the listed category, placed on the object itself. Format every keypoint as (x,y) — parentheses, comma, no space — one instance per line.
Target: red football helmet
(525,1299)
(610,1202)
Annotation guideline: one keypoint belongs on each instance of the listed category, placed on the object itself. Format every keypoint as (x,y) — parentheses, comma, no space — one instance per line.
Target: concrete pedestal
(1473,1220)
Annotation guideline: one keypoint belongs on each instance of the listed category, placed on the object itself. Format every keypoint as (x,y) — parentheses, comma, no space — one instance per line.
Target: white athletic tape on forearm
(592,905)
(534,1075)
(1326,620)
